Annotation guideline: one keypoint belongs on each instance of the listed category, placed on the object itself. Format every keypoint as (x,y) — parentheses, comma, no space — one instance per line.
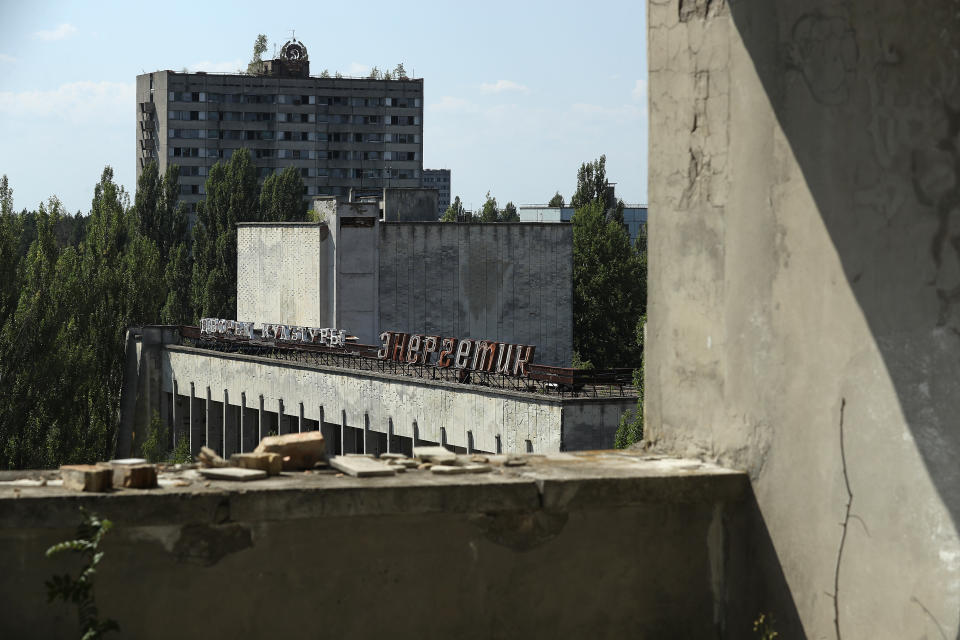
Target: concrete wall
(498,420)
(505,282)
(605,546)
(284,273)
(410,205)
(804,270)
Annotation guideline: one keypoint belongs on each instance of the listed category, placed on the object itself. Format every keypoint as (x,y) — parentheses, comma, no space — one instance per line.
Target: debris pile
(305,452)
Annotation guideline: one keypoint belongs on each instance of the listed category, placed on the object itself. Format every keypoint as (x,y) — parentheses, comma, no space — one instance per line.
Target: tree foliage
(281,197)
(259,48)
(609,289)
(556,200)
(231,198)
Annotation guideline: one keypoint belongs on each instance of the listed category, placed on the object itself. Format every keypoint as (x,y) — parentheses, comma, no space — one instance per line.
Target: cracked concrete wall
(805,256)
(510,282)
(550,424)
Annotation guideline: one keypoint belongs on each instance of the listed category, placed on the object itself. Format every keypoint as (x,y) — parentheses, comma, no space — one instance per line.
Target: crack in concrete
(844,525)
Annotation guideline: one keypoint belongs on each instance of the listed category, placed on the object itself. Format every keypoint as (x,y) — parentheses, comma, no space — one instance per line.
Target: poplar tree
(231,198)
(281,197)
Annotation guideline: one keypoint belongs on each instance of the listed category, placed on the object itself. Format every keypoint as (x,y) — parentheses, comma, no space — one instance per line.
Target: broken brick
(296,450)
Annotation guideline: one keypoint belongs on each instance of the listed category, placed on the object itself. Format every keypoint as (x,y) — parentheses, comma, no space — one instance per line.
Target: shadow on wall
(867,93)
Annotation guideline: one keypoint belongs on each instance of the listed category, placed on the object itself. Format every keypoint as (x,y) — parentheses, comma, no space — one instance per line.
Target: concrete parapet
(603,544)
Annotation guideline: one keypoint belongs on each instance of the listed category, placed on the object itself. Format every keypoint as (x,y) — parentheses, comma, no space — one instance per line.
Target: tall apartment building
(341,133)
(439,179)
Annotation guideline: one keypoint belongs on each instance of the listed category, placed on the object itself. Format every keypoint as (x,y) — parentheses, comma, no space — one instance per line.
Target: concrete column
(469,442)
(300,425)
(261,433)
(343,433)
(164,411)
(176,414)
(244,422)
(198,416)
(499,444)
(443,437)
(230,426)
(366,432)
(389,434)
(416,434)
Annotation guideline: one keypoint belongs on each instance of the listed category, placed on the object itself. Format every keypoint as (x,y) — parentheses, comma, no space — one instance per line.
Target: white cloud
(621,113)
(358,70)
(450,103)
(639,92)
(503,85)
(230,66)
(6,58)
(79,102)
(58,33)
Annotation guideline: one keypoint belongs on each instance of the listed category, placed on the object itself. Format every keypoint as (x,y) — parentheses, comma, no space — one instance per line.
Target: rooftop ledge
(556,482)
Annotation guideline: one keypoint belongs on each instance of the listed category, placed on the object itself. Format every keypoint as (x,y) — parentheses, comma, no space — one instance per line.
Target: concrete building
(634,216)
(506,288)
(341,133)
(803,321)
(439,179)
(510,282)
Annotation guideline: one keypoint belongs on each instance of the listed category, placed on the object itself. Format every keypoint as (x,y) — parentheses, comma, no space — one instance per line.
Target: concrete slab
(234,473)
(361,467)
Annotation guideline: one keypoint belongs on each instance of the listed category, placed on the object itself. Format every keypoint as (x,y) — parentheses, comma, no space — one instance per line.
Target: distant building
(341,133)
(634,216)
(439,179)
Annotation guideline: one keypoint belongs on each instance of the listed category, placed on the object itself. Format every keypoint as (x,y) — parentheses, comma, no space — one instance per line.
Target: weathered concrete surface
(383,402)
(601,545)
(505,282)
(285,273)
(409,205)
(804,269)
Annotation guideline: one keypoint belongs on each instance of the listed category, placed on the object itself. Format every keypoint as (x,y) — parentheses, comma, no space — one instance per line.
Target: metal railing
(562,382)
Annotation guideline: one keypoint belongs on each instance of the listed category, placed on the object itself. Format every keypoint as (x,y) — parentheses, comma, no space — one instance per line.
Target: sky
(516,94)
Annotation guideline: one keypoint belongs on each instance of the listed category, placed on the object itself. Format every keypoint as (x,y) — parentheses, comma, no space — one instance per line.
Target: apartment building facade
(341,133)
(439,179)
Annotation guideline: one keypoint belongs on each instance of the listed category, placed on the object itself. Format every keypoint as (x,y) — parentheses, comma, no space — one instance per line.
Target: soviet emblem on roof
(294,51)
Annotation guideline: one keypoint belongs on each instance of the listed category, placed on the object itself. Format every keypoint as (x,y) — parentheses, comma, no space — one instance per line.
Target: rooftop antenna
(293,35)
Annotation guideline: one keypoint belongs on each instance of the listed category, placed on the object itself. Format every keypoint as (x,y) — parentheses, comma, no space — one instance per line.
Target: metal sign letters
(469,354)
(278,332)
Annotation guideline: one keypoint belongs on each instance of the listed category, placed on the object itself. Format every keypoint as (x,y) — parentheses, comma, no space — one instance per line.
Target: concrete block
(437,455)
(297,450)
(209,458)
(233,473)
(447,469)
(125,475)
(361,467)
(272,463)
(86,477)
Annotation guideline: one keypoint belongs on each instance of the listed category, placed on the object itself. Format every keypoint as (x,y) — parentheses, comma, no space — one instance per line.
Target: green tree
(231,198)
(160,216)
(454,211)
(259,48)
(399,72)
(609,289)
(509,213)
(556,200)
(281,197)
(592,184)
(177,275)
(489,211)
(630,429)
